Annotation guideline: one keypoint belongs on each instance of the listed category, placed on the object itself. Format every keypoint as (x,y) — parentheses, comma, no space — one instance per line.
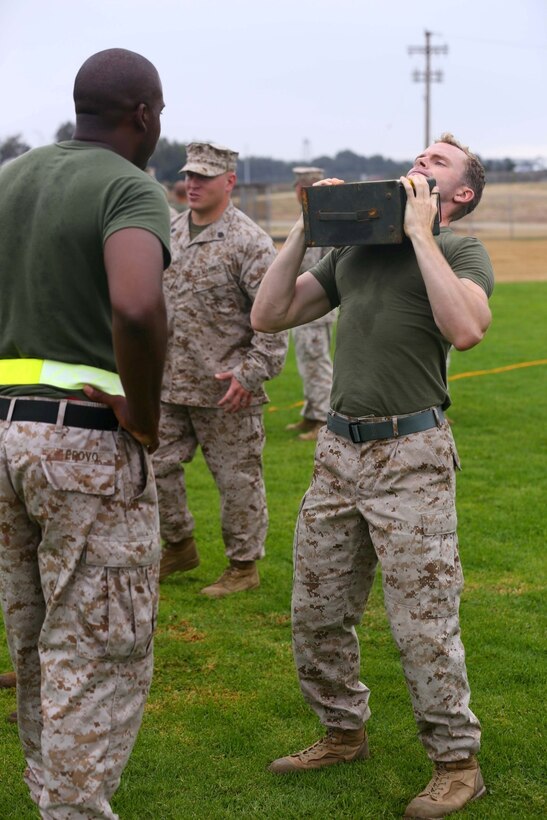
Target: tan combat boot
(338,746)
(8,680)
(452,786)
(178,557)
(302,426)
(238,577)
(312,434)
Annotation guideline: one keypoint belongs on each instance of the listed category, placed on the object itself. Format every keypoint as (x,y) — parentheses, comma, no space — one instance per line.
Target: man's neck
(194,229)
(92,141)
(209,216)
(91,132)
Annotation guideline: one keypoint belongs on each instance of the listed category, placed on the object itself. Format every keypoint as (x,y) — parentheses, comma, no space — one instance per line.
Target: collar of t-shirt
(195,230)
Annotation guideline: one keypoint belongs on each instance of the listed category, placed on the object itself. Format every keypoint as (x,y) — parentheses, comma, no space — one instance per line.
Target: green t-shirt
(390,356)
(58,205)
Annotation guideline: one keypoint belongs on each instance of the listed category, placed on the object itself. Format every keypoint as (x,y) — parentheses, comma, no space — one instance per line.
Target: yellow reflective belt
(58,374)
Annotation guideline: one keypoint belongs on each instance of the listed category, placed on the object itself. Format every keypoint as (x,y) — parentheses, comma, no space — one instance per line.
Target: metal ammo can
(356,213)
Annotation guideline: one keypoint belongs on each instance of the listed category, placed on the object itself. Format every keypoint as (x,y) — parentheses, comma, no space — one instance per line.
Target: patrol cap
(308,175)
(209,159)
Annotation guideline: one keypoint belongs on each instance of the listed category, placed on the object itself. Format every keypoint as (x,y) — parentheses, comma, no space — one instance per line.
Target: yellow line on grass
(472,373)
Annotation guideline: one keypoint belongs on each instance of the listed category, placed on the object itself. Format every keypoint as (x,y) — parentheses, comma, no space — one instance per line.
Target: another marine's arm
(134,264)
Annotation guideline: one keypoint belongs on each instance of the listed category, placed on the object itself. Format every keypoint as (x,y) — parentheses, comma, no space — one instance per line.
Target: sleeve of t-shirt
(131,202)
(325,273)
(469,260)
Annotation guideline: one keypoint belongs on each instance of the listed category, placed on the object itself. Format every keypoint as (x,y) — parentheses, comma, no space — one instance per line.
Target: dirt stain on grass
(183,631)
(502,586)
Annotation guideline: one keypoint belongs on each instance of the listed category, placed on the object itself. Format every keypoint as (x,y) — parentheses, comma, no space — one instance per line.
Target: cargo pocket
(297,528)
(440,576)
(455,456)
(91,472)
(118,600)
(138,472)
(141,517)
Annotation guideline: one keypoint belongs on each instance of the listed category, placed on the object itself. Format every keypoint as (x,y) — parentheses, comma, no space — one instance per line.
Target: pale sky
(294,79)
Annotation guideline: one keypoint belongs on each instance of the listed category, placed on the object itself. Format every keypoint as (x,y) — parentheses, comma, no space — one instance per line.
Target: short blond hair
(474,177)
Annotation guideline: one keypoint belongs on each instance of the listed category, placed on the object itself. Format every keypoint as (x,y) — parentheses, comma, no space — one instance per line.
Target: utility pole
(428,76)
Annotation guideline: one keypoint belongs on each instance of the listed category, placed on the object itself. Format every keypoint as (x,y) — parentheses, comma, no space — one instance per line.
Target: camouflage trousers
(390,502)
(313,359)
(79,563)
(232,445)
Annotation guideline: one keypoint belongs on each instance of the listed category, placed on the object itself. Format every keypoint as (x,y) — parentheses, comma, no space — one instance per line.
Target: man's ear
(231,181)
(141,116)
(464,196)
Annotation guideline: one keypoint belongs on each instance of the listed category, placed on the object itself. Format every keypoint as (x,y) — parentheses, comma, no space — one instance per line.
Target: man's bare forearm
(284,298)
(460,307)
(139,346)
(277,290)
(134,265)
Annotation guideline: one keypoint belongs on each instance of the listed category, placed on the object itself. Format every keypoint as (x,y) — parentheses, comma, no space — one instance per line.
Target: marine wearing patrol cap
(308,175)
(209,159)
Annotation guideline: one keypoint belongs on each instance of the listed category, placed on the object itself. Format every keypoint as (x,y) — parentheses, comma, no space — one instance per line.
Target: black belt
(360,431)
(76,415)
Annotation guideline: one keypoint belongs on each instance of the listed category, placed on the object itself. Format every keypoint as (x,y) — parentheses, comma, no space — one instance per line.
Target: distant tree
(323,162)
(167,160)
(380,166)
(169,157)
(352,167)
(65,132)
(264,170)
(12,147)
(499,164)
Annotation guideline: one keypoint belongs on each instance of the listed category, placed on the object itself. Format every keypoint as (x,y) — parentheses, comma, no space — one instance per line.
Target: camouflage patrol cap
(307,175)
(209,159)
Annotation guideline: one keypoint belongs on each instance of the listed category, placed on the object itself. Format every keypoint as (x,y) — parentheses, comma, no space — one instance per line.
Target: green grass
(225,699)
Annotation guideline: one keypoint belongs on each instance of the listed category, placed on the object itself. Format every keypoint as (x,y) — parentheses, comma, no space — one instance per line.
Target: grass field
(225,699)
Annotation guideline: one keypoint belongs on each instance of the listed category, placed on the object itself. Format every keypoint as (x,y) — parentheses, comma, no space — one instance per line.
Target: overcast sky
(294,79)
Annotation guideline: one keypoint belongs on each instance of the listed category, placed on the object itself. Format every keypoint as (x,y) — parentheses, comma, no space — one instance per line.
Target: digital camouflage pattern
(79,563)
(312,350)
(209,159)
(209,289)
(232,445)
(390,502)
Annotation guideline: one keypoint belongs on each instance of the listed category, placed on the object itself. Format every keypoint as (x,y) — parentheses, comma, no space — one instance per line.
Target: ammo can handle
(349,216)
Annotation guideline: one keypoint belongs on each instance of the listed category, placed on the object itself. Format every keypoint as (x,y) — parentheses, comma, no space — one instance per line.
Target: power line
(428,76)
(504,43)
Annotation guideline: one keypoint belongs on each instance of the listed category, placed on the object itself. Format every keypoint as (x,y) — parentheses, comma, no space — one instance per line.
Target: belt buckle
(354,432)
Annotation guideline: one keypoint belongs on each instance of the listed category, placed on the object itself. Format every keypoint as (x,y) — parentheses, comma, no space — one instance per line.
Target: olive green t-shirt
(390,356)
(58,205)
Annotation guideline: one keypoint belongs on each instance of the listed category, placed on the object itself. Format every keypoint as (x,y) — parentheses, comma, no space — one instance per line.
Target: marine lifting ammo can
(356,213)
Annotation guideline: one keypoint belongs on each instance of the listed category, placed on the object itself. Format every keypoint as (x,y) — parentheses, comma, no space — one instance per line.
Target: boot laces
(439,781)
(315,746)
(229,572)
(234,572)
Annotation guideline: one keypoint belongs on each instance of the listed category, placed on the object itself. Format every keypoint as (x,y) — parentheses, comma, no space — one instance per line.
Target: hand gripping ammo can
(356,213)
